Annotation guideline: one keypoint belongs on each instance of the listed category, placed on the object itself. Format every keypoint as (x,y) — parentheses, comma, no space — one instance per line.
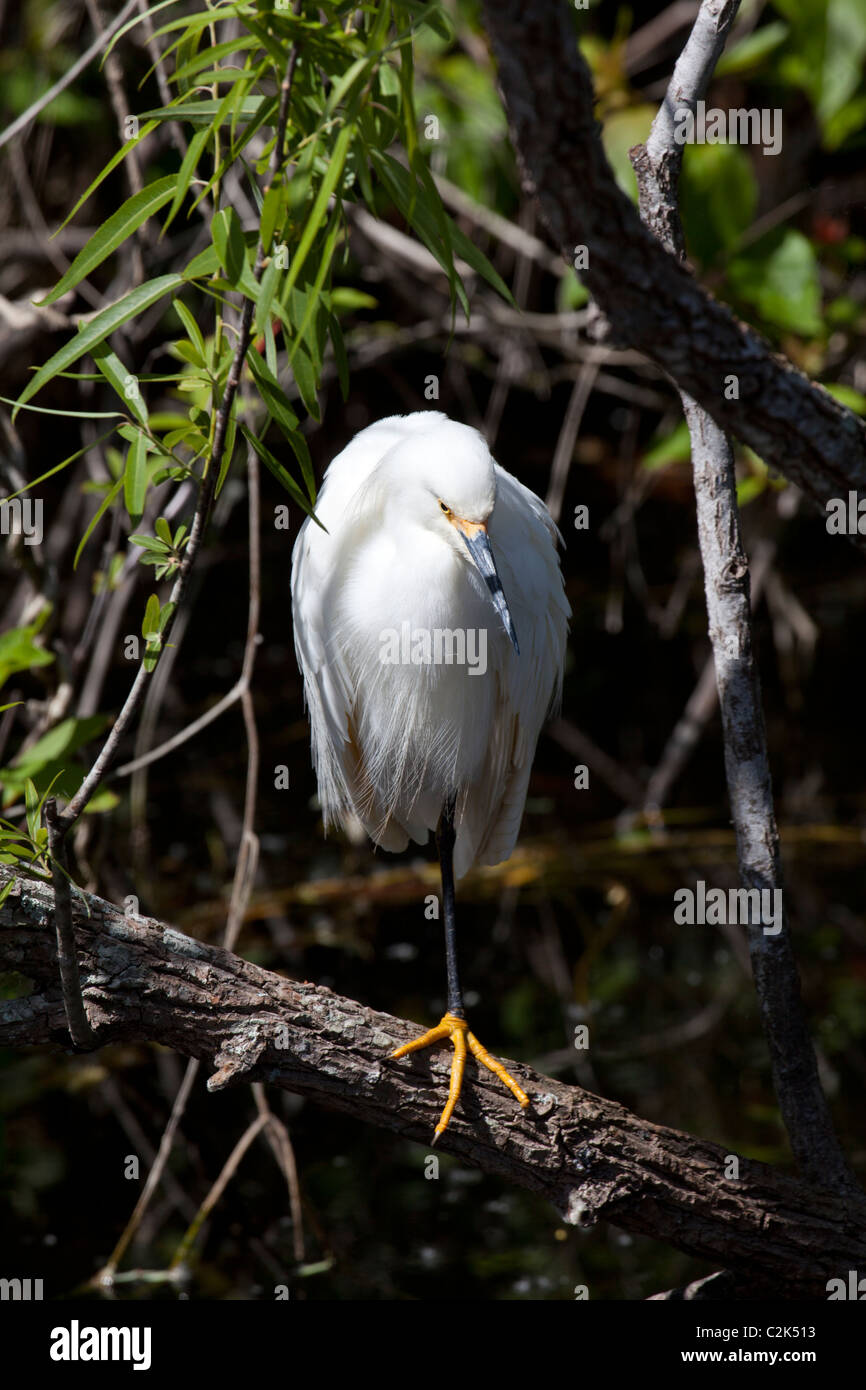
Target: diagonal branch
(23,121)
(653,303)
(590,1157)
(726,577)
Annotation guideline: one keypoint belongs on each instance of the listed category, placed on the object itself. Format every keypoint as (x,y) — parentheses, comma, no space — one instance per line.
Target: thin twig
(117,95)
(245,869)
(68,77)
(228,1171)
(183,735)
(564,452)
(248,858)
(205,498)
(281,1144)
(67,956)
(105,1277)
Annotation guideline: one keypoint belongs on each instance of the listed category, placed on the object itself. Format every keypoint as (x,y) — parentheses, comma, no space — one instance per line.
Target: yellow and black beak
(477,542)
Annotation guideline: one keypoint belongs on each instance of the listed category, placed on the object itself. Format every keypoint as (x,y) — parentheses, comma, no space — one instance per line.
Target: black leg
(445,846)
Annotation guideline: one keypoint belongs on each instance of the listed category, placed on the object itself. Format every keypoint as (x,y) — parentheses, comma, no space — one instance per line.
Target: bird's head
(444,480)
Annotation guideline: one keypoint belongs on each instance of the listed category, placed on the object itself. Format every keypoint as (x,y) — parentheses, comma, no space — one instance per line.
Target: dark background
(579,926)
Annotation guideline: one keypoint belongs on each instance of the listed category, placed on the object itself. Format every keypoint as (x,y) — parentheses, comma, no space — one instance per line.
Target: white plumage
(405,507)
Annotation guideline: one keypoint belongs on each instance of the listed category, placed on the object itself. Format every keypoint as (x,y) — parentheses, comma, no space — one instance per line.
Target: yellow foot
(457,1029)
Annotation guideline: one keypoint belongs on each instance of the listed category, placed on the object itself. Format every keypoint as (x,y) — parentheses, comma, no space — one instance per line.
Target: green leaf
(202,112)
(267,286)
(846,122)
(119,227)
(228,238)
(623,128)
(187,169)
(273,212)
(751,51)
(31,801)
(58,466)
(59,743)
(213,56)
(675,447)
(340,357)
(270,347)
(305,379)
(779,276)
(150,622)
(718,199)
(119,378)
(151,543)
(320,206)
(267,40)
(137,19)
(135,477)
(847,396)
(19,652)
(424,215)
(280,473)
(191,325)
(346,297)
(315,289)
(98,329)
(97,516)
(206,263)
(69,414)
(283,416)
(750,488)
(189,353)
(272,394)
(266,111)
(228,452)
(571,293)
(827,49)
(469,252)
(116,159)
(166,613)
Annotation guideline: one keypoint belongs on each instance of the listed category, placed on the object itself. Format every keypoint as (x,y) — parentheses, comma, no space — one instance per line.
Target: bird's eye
(446,510)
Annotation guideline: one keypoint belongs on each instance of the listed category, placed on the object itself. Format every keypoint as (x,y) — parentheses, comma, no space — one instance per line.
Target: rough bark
(594,1160)
(652,301)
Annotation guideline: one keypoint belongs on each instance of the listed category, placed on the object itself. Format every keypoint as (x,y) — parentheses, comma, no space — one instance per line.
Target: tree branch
(726,581)
(23,121)
(653,303)
(591,1158)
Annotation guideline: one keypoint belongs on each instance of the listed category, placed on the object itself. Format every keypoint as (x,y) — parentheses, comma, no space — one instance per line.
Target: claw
(457,1030)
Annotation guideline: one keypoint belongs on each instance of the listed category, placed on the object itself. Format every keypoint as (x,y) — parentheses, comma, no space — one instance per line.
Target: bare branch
(651,300)
(590,1157)
(726,574)
(68,77)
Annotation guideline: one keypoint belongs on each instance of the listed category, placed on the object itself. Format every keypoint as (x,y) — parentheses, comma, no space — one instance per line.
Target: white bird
(430,624)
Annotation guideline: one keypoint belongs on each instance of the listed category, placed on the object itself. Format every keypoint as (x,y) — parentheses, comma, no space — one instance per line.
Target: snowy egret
(430,623)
